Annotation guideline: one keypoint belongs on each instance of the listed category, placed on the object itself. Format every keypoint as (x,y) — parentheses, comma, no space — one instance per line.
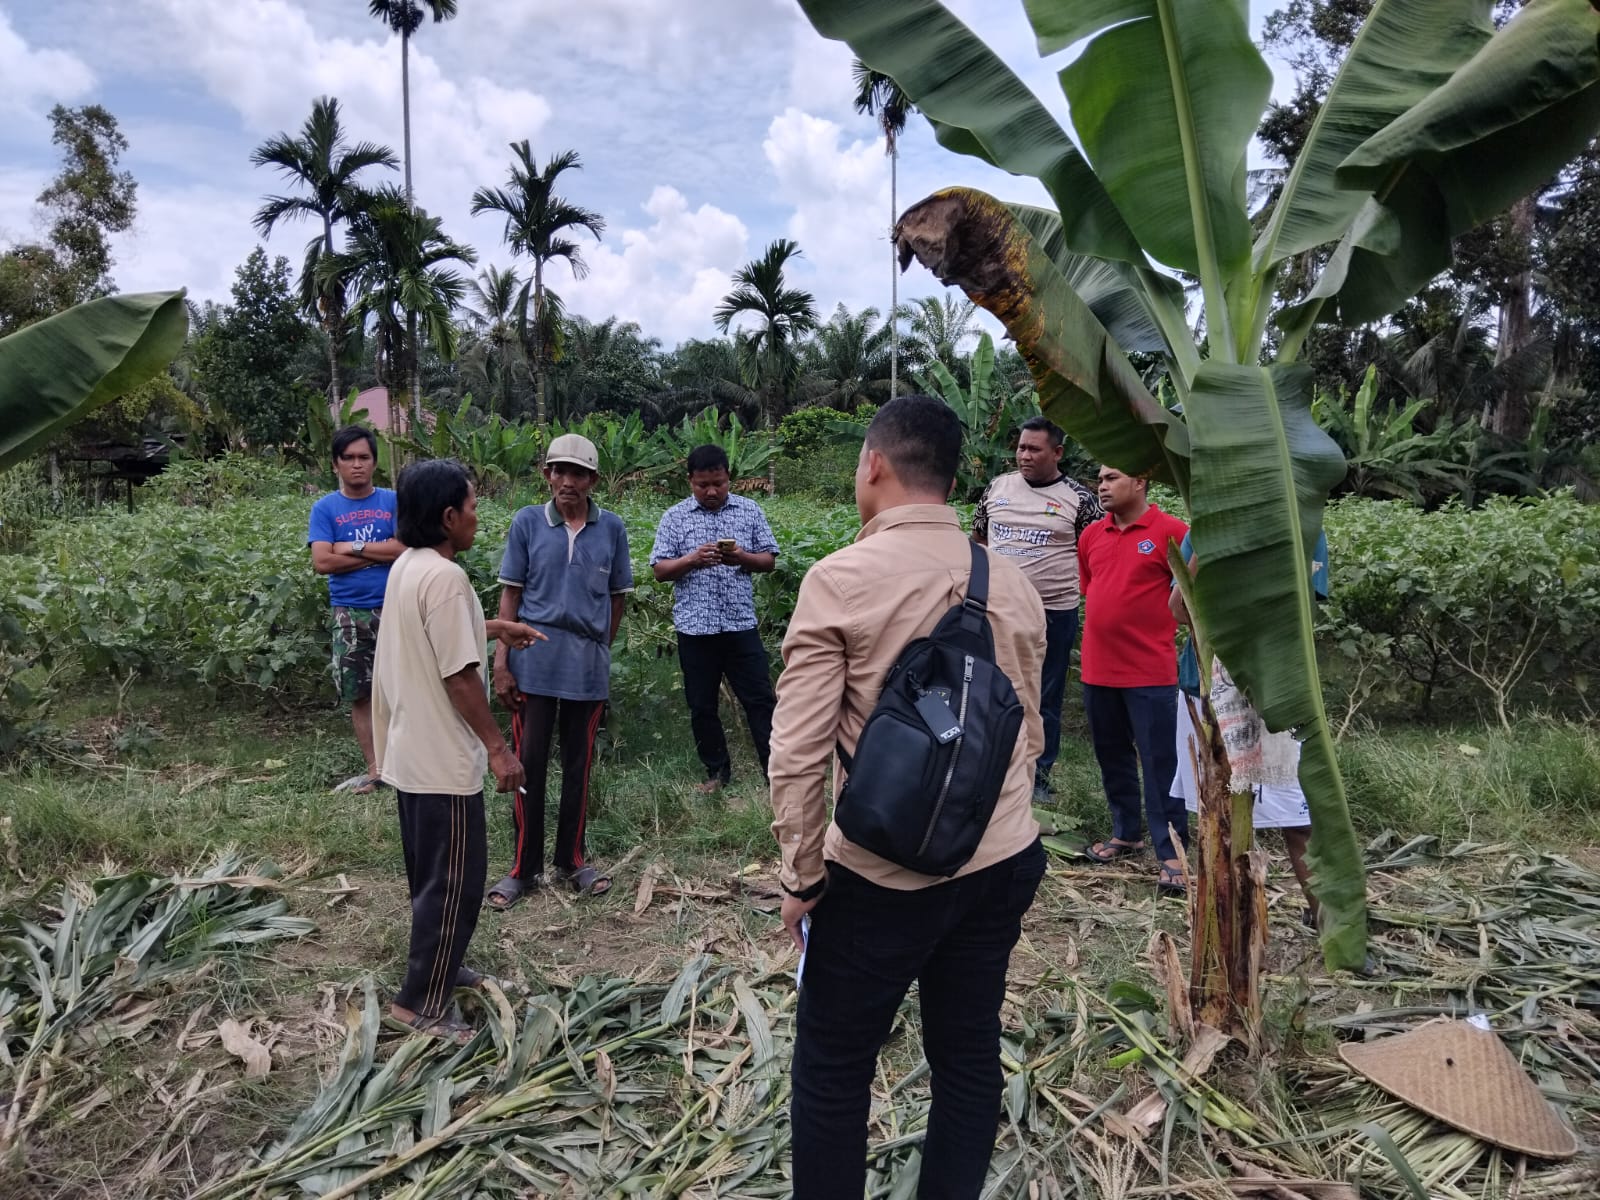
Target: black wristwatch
(809,893)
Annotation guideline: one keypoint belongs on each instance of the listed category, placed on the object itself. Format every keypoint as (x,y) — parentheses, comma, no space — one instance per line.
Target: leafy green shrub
(209,482)
(1500,604)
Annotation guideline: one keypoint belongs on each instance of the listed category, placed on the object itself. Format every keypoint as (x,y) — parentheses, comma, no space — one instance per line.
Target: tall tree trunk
(413,369)
(331,307)
(540,415)
(894,273)
(1510,412)
(405,104)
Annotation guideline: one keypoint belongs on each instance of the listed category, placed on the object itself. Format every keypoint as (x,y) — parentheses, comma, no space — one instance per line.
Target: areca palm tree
(405,18)
(322,163)
(769,354)
(496,351)
(537,224)
(397,260)
(879,96)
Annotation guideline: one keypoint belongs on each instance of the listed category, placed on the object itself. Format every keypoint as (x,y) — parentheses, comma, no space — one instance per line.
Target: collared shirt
(713,599)
(568,578)
(1037,526)
(1129,633)
(857,609)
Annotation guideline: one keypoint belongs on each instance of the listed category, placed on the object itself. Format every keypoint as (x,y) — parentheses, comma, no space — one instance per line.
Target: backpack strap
(973,618)
(975,608)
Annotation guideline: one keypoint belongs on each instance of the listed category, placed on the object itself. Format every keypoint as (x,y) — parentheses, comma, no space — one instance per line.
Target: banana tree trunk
(1227,891)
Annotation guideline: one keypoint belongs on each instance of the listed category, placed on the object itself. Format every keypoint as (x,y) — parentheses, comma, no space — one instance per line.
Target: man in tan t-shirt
(1033,516)
(874,926)
(434,736)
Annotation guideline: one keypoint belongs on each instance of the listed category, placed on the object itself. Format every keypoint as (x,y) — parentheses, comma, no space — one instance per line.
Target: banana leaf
(1262,473)
(977,106)
(1503,124)
(66,366)
(1086,384)
(1406,49)
(1165,99)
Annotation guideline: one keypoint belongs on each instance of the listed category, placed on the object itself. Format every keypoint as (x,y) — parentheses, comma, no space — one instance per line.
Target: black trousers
(867,944)
(740,656)
(1134,730)
(447,853)
(533,726)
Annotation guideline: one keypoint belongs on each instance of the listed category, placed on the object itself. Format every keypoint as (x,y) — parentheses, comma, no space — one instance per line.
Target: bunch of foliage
(1496,606)
(212,482)
(990,413)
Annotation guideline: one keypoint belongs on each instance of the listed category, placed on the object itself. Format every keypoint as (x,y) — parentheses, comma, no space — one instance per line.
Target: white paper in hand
(805,943)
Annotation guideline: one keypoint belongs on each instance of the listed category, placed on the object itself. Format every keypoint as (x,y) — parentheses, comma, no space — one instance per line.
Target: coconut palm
(879,96)
(397,260)
(537,224)
(324,166)
(405,18)
(495,354)
(769,353)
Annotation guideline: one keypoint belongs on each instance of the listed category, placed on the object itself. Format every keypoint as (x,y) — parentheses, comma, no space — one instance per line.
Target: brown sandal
(1110,850)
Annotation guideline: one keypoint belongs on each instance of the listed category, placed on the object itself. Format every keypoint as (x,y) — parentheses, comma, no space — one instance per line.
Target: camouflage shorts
(355,641)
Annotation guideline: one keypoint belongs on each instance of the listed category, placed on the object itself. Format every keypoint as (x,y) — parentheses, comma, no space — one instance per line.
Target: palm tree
(496,350)
(848,363)
(537,221)
(395,259)
(879,96)
(769,359)
(938,327)
(405,18)
(700,374)
(324,166)
(606,364)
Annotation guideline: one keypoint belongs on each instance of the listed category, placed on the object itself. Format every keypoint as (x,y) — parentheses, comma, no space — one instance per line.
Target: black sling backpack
(934,753)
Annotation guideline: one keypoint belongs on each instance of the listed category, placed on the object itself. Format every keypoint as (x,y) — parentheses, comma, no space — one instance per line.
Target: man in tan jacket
(874,926)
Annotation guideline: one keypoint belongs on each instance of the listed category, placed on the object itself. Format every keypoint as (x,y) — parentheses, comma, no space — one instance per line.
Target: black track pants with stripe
(532,727)
(447,856)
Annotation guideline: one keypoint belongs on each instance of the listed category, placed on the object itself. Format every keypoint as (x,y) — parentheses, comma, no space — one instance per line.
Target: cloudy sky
(707,128)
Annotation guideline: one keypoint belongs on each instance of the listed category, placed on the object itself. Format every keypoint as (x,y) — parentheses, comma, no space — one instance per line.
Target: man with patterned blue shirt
(709,546)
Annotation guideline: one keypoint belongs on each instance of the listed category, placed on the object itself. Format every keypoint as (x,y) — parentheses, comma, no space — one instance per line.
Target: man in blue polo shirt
(709,546)
(352,542)
(566,573)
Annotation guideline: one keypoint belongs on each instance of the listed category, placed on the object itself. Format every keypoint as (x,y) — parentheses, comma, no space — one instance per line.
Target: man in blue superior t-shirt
(352,543)
(566,573)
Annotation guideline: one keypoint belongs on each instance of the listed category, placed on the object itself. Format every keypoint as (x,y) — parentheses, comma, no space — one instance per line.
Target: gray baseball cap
(573,448)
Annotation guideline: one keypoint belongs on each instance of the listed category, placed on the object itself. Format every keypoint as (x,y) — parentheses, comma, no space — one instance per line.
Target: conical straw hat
(1464,1076)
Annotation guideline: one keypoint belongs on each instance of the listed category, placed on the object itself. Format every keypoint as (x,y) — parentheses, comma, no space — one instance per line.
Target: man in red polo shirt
(1130,669)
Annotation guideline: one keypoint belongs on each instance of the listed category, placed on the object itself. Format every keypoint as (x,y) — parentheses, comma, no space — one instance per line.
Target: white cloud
(33,78)
(267,61)
(190,235)
(667,276)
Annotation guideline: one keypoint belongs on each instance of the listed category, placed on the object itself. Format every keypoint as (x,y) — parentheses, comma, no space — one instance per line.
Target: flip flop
(358,785)
(510,892)
(447,1027)
(586,881)
(1170,881)
(1112,849)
